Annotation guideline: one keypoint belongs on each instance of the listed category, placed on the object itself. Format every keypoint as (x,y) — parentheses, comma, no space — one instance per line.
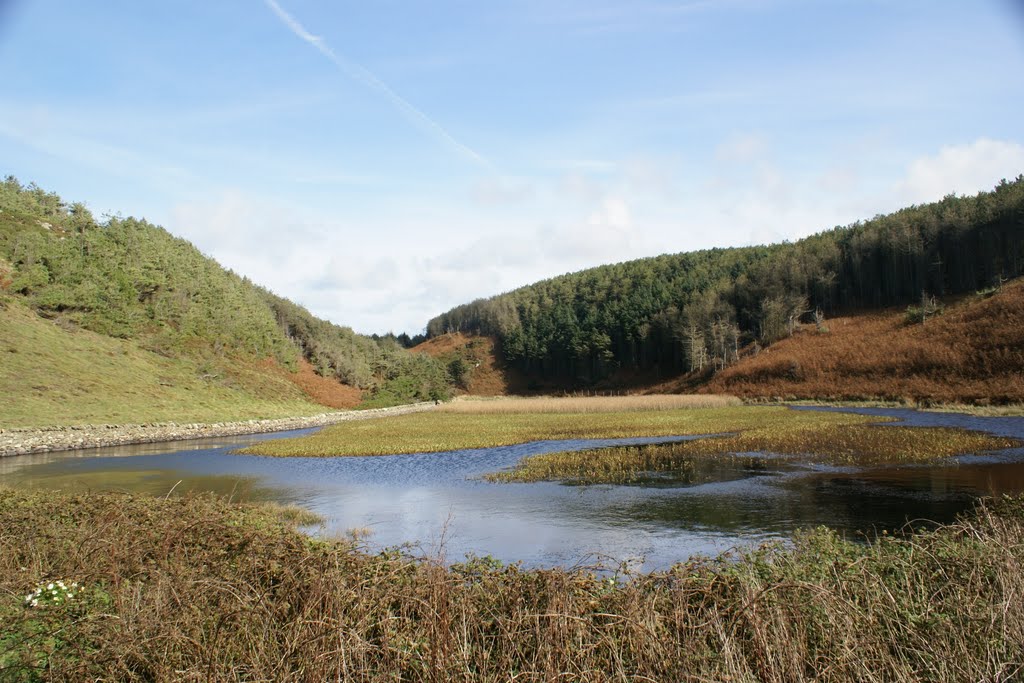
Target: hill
(971,353)
(655,319)
(123,311)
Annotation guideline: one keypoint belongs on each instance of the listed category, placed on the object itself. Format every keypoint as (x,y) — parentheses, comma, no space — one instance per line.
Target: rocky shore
(22,441)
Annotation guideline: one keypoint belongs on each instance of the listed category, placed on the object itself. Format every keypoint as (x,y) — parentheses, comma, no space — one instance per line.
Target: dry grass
(973,353)
(834,443)
(322,390)
(199,590)
(588,404)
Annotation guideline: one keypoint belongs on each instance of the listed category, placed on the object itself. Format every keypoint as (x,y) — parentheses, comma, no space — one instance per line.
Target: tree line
(694,311)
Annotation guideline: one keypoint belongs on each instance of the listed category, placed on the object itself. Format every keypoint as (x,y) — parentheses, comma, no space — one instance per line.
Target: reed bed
(434,431)
(197,589)
(588,404)
(844,444)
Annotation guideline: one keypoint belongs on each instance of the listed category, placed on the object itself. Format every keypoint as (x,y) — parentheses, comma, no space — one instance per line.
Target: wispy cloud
(361,74)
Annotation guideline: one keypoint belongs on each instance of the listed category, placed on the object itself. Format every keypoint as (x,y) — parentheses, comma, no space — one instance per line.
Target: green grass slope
(50,375)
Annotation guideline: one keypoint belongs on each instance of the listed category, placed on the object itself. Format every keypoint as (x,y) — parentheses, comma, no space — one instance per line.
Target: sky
(380,162)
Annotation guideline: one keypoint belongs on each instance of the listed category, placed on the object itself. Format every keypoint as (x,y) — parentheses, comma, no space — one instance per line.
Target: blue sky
(381,162)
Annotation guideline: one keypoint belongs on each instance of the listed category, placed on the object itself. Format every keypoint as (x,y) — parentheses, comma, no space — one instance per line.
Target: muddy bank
(22,441)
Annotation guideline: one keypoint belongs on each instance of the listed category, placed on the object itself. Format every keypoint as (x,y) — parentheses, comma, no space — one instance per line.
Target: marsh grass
(588,404)
(197,589)
(436,431)
(844,444)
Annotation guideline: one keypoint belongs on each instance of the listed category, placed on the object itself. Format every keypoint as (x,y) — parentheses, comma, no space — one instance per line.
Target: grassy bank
(197,589)
(460,427)
(51,376)
(843,444)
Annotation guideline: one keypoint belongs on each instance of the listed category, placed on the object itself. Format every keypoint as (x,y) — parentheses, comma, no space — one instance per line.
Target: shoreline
(27,440)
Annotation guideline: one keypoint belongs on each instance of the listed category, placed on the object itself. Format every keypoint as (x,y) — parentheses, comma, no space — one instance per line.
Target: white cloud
(961,169)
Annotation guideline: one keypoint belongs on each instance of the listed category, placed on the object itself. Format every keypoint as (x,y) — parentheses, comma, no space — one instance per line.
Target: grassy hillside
(692,312)
(199,328)
(53,375)
(973,352)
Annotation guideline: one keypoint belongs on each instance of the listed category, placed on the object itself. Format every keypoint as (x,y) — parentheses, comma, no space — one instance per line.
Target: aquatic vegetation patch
(437,431)
(201,589)
(845,444)
(588,404)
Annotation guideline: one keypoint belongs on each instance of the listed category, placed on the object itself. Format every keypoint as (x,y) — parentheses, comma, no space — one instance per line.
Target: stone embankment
(21,441)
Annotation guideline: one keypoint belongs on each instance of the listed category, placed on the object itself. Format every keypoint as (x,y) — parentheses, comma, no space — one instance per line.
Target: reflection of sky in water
(438,503)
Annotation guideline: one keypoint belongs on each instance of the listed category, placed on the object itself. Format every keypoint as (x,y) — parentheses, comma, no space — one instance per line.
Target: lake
(439,505)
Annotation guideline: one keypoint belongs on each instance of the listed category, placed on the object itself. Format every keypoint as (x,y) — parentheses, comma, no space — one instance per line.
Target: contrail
(364,76)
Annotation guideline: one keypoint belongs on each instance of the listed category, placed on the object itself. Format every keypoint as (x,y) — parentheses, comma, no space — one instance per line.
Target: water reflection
(439,503)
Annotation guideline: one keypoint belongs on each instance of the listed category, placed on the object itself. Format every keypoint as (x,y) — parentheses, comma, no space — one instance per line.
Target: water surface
(439,504)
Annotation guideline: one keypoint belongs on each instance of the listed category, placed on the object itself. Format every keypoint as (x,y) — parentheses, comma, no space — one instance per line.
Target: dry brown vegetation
(490,374)
(323,390)
(196,589)
(973,353)
(588,404)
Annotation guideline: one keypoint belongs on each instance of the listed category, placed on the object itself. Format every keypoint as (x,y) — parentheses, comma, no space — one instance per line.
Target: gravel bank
(22,441)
